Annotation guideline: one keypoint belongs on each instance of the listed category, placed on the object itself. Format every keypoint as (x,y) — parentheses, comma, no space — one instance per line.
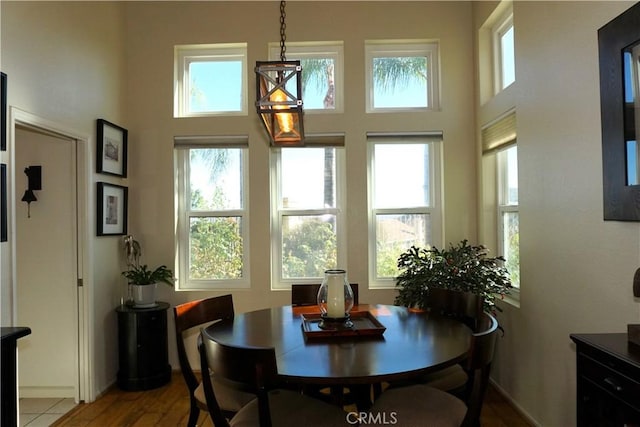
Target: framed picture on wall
(112,209)
(3,111)
(3,202)
(111,150)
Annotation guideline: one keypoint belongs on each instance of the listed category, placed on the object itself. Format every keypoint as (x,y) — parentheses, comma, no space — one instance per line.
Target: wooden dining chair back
(254,370)
(190,315)
(307,294)
(478,366)
(465,306)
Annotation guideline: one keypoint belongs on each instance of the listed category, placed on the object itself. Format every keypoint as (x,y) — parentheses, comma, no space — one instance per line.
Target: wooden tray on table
(364,324)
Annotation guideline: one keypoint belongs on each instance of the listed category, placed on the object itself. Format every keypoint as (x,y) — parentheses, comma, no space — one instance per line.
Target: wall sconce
(279,108)
(34,182)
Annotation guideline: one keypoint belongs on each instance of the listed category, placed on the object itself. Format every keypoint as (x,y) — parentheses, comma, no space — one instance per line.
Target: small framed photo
(111,150)
(112,209)
(3,111)
(3,202)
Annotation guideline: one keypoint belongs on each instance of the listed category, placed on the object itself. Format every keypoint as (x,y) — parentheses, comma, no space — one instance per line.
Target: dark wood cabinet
(608,380)
(143,351)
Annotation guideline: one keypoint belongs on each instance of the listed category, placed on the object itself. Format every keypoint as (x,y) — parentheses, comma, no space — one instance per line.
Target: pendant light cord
(283,27)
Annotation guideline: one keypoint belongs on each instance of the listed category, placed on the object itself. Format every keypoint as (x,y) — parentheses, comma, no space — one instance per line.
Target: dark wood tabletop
(412,344)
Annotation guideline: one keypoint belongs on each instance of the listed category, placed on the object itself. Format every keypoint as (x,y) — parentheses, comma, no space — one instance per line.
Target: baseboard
(41,392)
(515,404)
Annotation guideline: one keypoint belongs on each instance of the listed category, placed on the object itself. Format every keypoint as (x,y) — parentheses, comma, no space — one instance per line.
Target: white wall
(576,269)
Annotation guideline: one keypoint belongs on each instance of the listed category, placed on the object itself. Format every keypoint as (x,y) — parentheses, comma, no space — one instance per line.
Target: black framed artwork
(111,149)
(112,209)
(3,111)
(3,202)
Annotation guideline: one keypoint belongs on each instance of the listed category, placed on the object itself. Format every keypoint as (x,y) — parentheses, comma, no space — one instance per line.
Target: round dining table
(412,344)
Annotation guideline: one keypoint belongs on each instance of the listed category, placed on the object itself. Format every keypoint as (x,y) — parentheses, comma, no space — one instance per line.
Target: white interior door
(46,266)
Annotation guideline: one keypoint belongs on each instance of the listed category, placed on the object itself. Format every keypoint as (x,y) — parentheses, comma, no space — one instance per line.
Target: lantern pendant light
(278,106)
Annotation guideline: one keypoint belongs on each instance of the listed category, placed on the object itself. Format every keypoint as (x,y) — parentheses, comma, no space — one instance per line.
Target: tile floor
(43,412)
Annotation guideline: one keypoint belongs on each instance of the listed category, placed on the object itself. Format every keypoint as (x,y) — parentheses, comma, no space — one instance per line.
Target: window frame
(278,282)
(317,50)
(434,141)
(404,48)
(182,147)
(184,55)
(503,24)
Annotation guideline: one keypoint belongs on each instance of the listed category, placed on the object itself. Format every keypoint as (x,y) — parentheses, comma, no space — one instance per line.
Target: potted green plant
(462,267)
(143,280)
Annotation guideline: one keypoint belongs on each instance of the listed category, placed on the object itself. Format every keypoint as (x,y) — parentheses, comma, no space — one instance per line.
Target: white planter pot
(144,296)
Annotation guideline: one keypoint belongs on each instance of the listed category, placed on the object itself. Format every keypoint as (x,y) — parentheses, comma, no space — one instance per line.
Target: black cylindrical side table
(143,350)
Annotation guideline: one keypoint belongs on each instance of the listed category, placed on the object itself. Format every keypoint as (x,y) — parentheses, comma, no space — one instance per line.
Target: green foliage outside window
(309,249)
(215,243)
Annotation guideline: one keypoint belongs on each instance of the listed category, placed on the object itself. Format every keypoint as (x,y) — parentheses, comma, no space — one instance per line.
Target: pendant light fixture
(279,108)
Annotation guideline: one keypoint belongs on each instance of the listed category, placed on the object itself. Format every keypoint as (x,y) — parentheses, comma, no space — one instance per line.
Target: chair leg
(194,413)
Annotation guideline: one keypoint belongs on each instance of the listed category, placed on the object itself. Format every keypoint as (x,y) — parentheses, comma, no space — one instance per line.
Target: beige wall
(576,269)
(115,60)
(154,28)
(65,65)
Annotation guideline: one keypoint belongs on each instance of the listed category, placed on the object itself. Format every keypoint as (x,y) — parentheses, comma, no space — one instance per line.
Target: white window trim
(306,50)
(181,167)
(277,281)
(502,26)
(395,48)
(434,139)
(185,54)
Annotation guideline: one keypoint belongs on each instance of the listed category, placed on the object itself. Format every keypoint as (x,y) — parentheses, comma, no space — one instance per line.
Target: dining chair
(307,294)
(466,307)
(421,404)
(255,370)
(190,315)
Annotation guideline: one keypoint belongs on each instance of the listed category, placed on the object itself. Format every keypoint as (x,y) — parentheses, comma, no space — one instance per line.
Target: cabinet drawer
(609,380)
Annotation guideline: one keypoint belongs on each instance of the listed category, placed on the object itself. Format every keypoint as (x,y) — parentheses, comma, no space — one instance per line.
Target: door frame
(84,389)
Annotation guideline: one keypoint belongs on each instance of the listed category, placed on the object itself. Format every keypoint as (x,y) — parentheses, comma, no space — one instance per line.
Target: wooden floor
(169,406)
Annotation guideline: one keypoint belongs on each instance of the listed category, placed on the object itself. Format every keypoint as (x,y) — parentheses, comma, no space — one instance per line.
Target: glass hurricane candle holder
(335,299)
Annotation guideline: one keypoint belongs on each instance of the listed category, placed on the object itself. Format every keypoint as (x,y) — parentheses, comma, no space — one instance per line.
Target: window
(308,209)
(322,73)
(508,216)
(212,215)
(504,52)
(210,80)
(500,158)
(401,76)
(405,202)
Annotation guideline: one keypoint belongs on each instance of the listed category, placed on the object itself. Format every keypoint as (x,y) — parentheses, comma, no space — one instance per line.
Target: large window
(210,80)
(308,209)
(212,222)
(404,197)
(508,215)
(504,51)
(401,76)
(322,73)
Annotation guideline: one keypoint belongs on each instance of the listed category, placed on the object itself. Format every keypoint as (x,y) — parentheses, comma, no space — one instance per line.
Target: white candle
(335,296)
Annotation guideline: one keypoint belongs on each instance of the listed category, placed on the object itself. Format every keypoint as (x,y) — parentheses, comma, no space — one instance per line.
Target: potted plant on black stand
(142,280)
(463,267)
